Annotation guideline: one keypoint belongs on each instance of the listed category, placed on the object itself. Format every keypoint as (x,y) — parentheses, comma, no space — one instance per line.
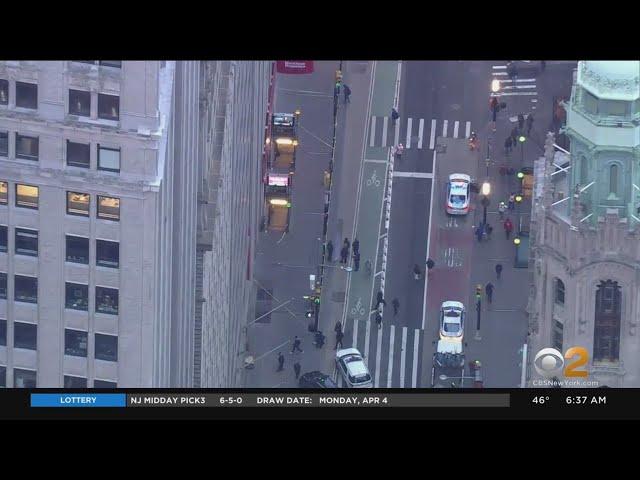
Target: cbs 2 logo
(552,362)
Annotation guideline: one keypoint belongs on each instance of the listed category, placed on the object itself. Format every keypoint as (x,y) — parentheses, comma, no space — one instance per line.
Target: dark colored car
(316,379)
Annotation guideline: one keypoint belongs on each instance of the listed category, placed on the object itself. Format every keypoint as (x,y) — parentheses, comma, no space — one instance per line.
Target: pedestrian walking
(344,254)
(508,227)
(512,201)
(430,264)
(508,143)
(398,151)
(296,369)
(396,306)
(338,327)
(347,94)
(502,207)
(379,320)
(529,123)
(280,362)
(498,270)
(416,272)
(347,244)
(296,345)
(479,232)
(356,261)
(330,251)
(339,336)
(514,136)
(356,245)
(493,104)
(520,121)
(489,290)
(394,116)
(380,300)
(488,230)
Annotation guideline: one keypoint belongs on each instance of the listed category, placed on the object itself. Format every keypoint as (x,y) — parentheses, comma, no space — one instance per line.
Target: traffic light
(478,292)
(518,198)
(316,300)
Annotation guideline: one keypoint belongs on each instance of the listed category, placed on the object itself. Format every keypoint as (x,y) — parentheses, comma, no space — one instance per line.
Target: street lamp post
(486,190)
(522,139)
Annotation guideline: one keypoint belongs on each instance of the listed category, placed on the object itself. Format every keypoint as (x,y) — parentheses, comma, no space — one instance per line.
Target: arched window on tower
(558,295)
(606,334)
(613,180)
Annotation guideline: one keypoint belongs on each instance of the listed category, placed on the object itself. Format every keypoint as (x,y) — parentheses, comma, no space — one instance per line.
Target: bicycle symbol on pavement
(359,308)
(374,180)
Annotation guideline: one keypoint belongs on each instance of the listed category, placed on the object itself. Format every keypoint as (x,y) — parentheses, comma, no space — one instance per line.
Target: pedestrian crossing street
(524,85)
(415,133)
(393,354)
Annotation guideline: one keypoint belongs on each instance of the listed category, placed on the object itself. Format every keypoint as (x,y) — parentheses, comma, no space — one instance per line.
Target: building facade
(586,248)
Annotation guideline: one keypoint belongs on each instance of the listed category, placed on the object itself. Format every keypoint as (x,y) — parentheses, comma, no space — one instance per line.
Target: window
(111,63)
(3,333)
(107,300)
(558,329)
(79,103)
(25,335)
(26,95)
(78,154)
(108,107)
(77,249)
(4,91)
(78,204)
(26,242)
(4,193)
(559,296)
(3,377)
(4,144)
(27,196)
(613,180)
(590,102)
(3,285)
(606,334)
(107,254)
(26,147)
(108,159)
(74,382)
(24,378)
(617,108)
(75,342)
(104,384)
(26,289)
(106,347)
(3,237)
(76,296)
(108,208)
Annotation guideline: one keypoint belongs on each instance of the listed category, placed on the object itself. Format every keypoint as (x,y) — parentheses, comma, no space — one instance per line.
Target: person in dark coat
(396,306)
(520,121)
(339,336)
(394,116)
(508,143)
(379,320)
(489,291)
(296,369)
(356,245)
(529,123)
(479,232)
(498,270)
(380,300)
(347,94)
(344,253)
(280,362)
(296,345)
(329,251)
(338,327)
(356,262)
(489,230)
(514,136)
(430,264)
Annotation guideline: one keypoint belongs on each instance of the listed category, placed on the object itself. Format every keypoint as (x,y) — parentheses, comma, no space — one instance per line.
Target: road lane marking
(392,335)
(372,137)
(519,87)
(420,130)
(467,130)
(403,354)
(456,125)
(534,100)
(376,161)
(378,354)
(432,138)
(412,174)
(444,128)
(514,94)
(499,67)
(355,333)
(367,337)
(385,125)
(396,138)
(499,73)
(409,125)
(426,277)
(414,372)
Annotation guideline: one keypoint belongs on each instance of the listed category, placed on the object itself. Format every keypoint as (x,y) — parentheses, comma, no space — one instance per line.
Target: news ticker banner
(303,400)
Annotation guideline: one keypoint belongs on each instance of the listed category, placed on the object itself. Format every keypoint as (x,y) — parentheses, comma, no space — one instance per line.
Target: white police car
(458,193)
(351,365)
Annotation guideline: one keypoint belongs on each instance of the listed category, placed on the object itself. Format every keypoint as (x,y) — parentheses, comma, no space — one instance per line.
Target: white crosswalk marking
(403,355)
(444,128)
(420,131)
(409,125)
(456,125)
(378,357)
(432,138)
(372,137)
(499,67)
(414,370)
(390,367)
(385,125)
(467,130)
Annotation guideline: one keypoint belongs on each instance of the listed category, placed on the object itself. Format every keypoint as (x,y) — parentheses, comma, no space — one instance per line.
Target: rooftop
(612,80)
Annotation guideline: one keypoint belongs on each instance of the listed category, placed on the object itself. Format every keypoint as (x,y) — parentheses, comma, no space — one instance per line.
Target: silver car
(351,365)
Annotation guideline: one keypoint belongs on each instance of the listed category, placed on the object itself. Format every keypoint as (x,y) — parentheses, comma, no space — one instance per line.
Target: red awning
(294,66)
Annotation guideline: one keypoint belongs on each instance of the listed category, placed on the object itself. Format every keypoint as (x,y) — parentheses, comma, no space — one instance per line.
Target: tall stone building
(586,245)
(105,167)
